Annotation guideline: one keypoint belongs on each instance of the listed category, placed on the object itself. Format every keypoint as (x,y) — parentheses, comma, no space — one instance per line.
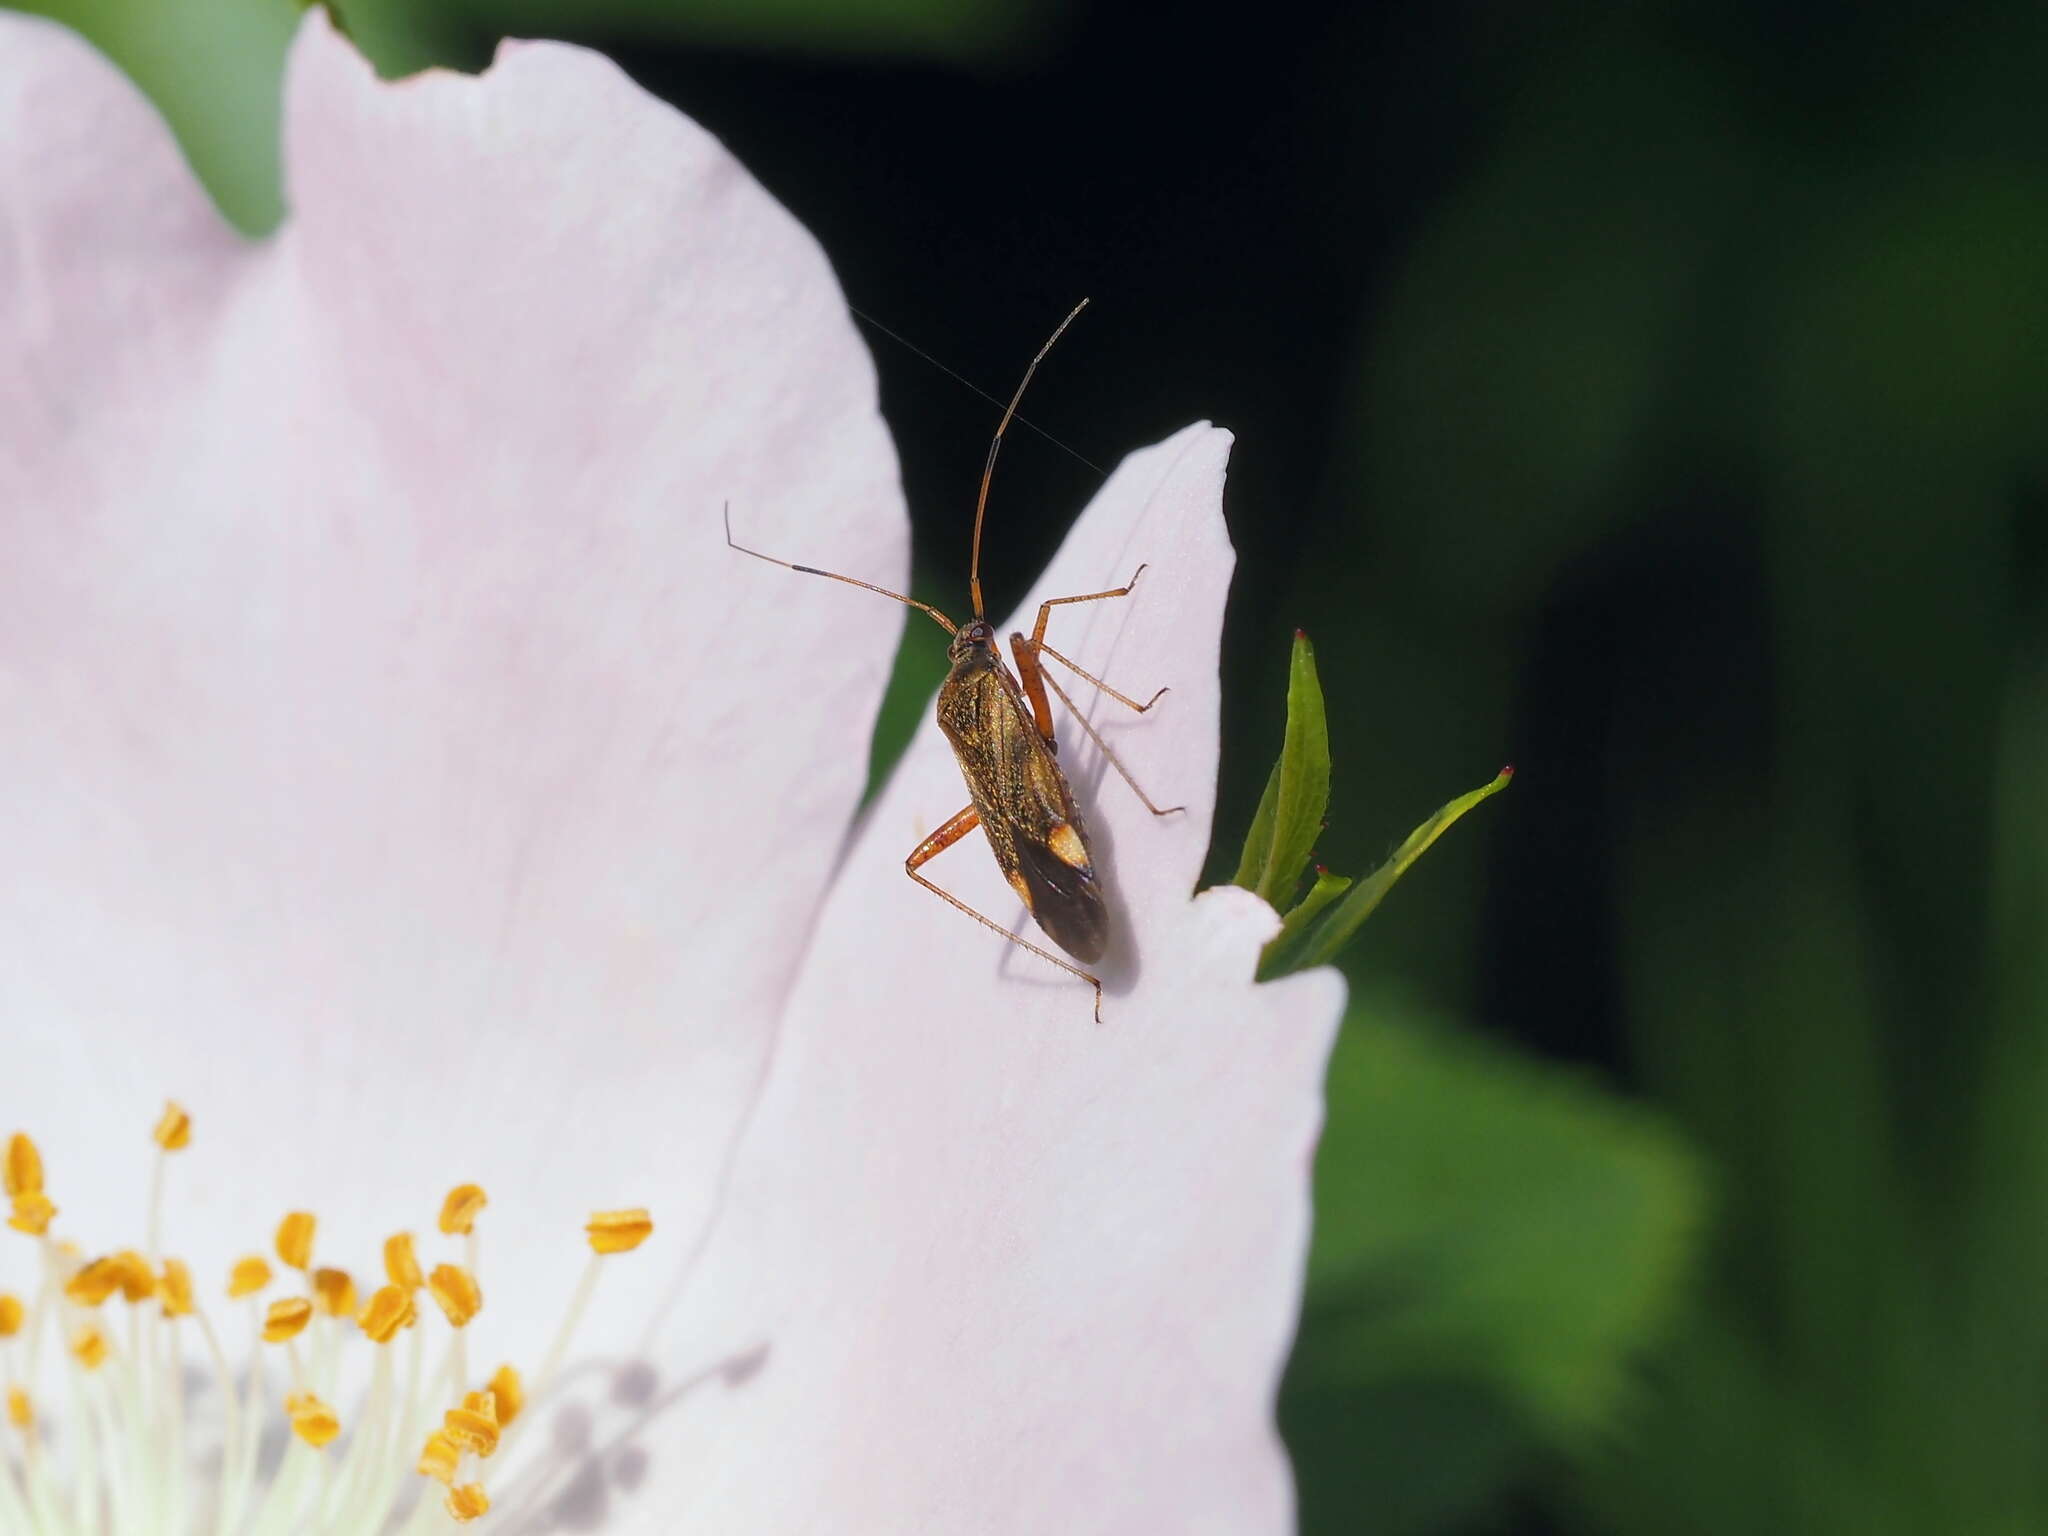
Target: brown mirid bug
(1000,726)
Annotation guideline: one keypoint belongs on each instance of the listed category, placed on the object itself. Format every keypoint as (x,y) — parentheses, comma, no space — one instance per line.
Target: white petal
(383,770)
(994,1267)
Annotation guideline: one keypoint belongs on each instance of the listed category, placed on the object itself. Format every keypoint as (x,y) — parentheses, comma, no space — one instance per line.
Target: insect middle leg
(1033,678)
(950,832)
(1048,680)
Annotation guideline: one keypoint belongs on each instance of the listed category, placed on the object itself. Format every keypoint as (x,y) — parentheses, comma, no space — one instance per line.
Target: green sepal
(1282,954)
(1258,839)
(1336,930)
(1290,814)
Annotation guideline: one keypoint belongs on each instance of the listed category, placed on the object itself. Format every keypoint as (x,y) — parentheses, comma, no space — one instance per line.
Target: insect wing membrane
(1064,897)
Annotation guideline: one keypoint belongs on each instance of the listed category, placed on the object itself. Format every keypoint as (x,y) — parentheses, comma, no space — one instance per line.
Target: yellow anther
(19,1413)
(312,1420)
(250,1274)
(174,1289)
(400,1267)
(389,1310)
(474,1425)
(132,1273)
(459,1210)
(295,1239)
(24,1172)
(174,1128)
(509,1393)
(336,1292)
(467,1502)
(91,1347)
(286,1318)
(32,1213)
(455,1289)
(439,1457)
(619,1231)
(11,1314)
(93,1283)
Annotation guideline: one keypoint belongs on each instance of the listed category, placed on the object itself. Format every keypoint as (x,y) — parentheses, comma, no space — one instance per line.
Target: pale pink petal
(995,1267)
(395,764)
(384,766)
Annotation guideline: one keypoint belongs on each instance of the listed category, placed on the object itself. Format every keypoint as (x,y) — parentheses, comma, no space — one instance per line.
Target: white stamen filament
(109,1447)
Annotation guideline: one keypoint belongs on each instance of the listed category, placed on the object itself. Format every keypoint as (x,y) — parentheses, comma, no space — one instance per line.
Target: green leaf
(213,71)
(1485,1224)
(1282,954)
(1258,839)
(1290,814)
(1335,931)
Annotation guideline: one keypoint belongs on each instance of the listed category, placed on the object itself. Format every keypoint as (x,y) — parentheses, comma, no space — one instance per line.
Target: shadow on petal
(576,1482)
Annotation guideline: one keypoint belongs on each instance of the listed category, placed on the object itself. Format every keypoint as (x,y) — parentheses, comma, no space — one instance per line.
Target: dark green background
(1649,395)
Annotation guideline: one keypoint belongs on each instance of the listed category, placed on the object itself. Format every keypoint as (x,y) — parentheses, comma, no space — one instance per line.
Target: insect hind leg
(950,832)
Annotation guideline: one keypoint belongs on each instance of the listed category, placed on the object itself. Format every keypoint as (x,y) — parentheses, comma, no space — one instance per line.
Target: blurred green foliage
(1757,400)
(1495,1243)
(1692,455)
(213,69)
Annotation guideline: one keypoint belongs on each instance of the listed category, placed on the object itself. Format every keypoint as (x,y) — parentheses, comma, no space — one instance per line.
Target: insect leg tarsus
(1045,608)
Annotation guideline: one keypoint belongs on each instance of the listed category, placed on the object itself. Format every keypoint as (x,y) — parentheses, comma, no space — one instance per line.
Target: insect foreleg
(1045,608)
(1026,652)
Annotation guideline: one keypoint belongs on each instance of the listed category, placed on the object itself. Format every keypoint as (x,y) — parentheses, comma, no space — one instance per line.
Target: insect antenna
(989,469)
(937,617)
(968,384)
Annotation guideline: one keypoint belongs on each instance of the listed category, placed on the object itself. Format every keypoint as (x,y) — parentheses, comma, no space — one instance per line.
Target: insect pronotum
(1000,727)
